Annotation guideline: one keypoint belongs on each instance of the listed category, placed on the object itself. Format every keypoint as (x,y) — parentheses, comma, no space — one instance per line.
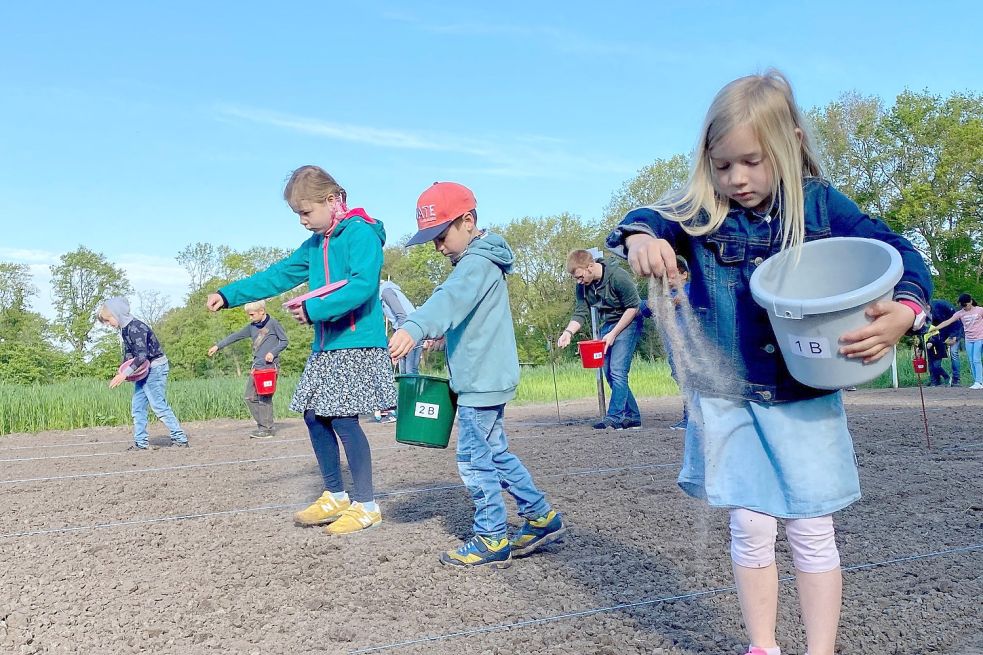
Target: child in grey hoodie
(141,345)
(472,309)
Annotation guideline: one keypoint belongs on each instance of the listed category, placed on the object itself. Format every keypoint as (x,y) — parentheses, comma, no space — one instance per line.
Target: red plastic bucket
(265,381)
(918,363)
(591,353)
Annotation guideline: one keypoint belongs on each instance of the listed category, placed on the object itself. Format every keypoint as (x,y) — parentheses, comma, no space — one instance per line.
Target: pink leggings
(812,541)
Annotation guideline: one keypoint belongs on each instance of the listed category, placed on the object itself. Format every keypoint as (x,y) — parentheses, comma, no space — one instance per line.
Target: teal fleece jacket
(472,309)
(351,317)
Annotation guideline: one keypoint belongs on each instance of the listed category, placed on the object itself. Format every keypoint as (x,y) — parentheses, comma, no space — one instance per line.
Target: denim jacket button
(769,349)
(765,395)
(757,261)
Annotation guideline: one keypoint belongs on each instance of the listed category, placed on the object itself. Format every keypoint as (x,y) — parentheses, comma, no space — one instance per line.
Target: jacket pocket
(727,250)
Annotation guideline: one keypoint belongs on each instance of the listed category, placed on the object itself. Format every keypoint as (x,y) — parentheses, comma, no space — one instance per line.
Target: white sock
(340,496)
(370,506)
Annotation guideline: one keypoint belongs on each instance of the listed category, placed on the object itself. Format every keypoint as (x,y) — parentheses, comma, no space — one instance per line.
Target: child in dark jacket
(938,352)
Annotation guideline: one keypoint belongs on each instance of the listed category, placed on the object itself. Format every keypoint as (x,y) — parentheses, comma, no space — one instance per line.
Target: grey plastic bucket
(817,292)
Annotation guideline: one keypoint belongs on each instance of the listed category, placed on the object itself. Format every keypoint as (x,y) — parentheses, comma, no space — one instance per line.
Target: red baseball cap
(437,207)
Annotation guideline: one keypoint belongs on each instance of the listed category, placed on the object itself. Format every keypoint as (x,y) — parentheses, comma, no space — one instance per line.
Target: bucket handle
(789,310)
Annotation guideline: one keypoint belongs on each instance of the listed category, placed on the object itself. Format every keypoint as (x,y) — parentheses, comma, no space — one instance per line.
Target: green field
(87,402)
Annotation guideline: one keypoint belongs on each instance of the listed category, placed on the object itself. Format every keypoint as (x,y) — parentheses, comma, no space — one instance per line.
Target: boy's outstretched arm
(451,303)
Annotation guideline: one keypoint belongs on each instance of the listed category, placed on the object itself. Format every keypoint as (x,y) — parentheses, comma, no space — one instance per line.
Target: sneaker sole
(342,534)
(305,524)
(484,565)
(553,537)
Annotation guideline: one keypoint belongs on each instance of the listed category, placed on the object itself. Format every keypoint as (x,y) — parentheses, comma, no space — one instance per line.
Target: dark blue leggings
(323,431)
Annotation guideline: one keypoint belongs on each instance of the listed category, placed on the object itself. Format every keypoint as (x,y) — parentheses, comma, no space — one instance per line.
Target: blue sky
(137,128)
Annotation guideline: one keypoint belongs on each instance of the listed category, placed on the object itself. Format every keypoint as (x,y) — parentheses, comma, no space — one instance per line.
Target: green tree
(202,262)
(234,265)
(15,285)
(80,281)
(26,353)
(417,270)
(919,165)
(649,184)
(847,134)
(541,292)
(151,306)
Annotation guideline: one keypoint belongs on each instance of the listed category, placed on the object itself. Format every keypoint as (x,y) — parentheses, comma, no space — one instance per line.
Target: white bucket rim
(796,308)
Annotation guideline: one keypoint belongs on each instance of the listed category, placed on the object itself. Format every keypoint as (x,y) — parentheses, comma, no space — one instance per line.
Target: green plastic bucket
(425,411)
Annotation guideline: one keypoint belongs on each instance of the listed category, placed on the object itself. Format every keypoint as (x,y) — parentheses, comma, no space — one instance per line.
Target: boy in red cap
(471,308)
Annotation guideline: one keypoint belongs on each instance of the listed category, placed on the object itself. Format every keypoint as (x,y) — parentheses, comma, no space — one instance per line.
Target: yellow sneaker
(324,510)
(353,519)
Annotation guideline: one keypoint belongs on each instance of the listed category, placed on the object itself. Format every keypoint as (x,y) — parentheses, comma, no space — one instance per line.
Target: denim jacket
(721,264)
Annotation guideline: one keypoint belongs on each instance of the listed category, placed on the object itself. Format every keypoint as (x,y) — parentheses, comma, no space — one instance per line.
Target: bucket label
(599,355)
(427,410)
(811,347)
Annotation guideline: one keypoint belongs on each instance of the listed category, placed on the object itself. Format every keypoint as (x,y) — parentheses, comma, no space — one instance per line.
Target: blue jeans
(152,391)
(487,467)
(323,431)
(936,372)
(617,363)
(974,351)
(954,361)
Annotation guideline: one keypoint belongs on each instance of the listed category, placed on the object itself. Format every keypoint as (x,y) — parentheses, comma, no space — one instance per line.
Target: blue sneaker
(480,551)
(537,533)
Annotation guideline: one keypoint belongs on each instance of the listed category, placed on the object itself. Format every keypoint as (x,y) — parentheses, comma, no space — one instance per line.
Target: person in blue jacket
(758,442)
(471,307)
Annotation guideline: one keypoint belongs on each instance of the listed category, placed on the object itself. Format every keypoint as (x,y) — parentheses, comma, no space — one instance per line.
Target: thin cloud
(512,156)
(558,39)
(28,256)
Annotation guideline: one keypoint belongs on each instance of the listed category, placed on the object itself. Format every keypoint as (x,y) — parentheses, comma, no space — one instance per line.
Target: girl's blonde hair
(766,104)
(257,304)
(311,184)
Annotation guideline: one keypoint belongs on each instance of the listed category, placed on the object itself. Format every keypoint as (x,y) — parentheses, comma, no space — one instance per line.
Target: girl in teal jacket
(349,371)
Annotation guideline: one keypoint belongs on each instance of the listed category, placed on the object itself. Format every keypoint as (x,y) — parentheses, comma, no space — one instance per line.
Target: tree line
(917,164)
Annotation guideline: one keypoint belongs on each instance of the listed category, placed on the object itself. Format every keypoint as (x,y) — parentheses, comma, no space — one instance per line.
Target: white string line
(518,421)
(397,446)
(972,448)
(157,469)
(123,453)
(384,494)
(640,603)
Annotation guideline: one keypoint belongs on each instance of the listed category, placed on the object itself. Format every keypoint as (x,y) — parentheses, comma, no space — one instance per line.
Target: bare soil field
(194,551)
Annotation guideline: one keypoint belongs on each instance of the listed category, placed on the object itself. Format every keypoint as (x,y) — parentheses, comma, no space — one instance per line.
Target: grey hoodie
(472,309)
(139,341)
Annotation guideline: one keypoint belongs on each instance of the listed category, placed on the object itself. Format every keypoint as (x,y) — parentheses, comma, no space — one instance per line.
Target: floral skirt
(346,383)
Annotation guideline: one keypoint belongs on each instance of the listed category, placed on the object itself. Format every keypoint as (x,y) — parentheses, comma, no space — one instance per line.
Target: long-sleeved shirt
(267,336)
(614,293)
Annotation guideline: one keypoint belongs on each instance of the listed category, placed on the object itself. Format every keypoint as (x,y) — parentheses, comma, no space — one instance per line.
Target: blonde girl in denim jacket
(767,446)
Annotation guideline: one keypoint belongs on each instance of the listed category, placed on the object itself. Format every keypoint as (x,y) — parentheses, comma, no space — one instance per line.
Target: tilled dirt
(194,551)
